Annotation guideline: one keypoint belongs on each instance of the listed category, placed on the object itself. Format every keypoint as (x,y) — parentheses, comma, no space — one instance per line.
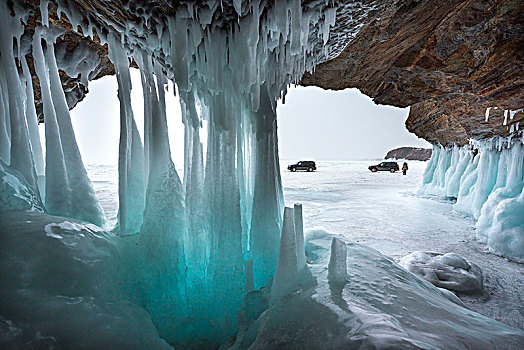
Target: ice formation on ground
(449,271)
(369,311)
(285,281)
(487,181)
(60,288)
(337,268)
(76,297)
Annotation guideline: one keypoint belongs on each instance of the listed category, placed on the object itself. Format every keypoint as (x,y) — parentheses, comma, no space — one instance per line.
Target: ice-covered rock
(449,271)
(337,268)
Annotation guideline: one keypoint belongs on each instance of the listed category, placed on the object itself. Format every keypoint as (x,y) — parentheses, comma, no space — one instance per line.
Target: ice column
(21,157)
(285,280)
(337,268)
(57,188)
(265,220)
(226,261)
(81,201)
(131,188)
(162,268)
(194,181)
(32,124)
(299,231)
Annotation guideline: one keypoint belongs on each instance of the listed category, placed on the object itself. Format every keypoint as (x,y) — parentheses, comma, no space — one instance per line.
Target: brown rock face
(409,153)
(447,59)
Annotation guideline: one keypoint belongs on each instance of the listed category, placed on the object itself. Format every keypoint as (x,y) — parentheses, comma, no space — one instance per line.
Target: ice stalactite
(265,222)
(13,101)
(131,190)
(5,129)
(230,207)
(69,191)
(57,188)
(162,270)
(487,181)
(32,124)
(193,180)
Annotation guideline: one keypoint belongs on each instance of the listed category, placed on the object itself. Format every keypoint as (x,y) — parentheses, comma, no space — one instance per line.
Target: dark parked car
(384,166)
(303,165)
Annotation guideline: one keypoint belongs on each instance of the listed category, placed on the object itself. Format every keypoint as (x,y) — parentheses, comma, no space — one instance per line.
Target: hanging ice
(69,191)
(13,100)
(131,153)
(487,181)
(202,243)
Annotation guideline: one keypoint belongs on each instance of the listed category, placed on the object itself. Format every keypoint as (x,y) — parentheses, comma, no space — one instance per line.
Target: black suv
(303,165)
(384,166)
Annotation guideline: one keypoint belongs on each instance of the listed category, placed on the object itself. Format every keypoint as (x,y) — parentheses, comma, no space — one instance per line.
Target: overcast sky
(314,124)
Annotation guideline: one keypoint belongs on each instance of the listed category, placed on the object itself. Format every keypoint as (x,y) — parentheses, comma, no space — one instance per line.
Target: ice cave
(214,256)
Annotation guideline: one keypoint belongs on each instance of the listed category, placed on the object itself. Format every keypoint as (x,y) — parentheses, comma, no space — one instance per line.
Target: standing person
(404,168)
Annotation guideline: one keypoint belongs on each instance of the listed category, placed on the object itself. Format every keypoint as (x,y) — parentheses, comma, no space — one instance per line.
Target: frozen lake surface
(382,210)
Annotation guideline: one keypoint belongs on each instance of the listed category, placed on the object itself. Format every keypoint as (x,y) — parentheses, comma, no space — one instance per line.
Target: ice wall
(203,241)
(208,239)
(486,179)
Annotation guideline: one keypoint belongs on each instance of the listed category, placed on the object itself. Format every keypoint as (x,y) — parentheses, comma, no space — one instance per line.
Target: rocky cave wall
(449,60)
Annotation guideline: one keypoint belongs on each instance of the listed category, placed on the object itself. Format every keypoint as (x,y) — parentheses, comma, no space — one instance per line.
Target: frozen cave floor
(62,279)
(381,210)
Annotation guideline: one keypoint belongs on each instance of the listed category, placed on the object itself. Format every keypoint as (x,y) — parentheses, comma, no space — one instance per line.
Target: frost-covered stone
(449,271)
(337,268)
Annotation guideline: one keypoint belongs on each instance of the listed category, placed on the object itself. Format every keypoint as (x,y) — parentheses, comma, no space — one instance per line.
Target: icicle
(487,185)
(163,228)
(266,202)
(21,157)
(57,188)
(131,154)
(5,127)
(84,203)
(487,114)
(44,15)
